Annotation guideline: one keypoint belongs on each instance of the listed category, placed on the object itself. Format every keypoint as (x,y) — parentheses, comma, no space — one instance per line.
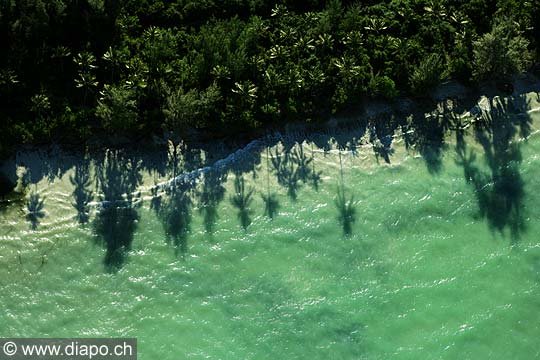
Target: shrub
(183,110)
(501,52)
(117,108)
(427,75)
(382,86)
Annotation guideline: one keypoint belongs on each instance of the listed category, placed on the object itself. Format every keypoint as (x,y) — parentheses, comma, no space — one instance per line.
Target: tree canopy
(71,68)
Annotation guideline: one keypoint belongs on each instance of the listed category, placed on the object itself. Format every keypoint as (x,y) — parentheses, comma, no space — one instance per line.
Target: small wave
(189,179)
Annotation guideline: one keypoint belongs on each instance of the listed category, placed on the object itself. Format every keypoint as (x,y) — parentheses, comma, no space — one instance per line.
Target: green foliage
(427,75)
(86,79)
(502,52)
(117,108)
(459,62)
(382,86)
(40,105)
(238,65)
(184,110)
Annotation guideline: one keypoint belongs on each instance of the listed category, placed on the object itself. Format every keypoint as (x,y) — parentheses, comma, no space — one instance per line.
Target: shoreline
(366,109)
(449,97)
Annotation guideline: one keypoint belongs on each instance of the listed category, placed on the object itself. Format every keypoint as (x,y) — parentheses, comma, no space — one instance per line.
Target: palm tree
(8,78)
(398,46)
(437,11)
(325,41)
(353,38)
(347,67)
(86,79)
(278,52)
(376,25)
(247,94)
(40,105)
(61,52)
(311,18)
(274,78)
(287,34)
(304,44)
(117,107)
(221,73)
(246,90)
(279,11)
(111,56)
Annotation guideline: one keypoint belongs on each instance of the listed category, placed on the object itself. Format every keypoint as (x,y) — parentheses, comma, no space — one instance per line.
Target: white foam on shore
(190,179)
(248,152)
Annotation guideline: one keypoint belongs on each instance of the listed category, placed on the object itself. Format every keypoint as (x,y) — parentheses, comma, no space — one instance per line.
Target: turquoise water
(317,247)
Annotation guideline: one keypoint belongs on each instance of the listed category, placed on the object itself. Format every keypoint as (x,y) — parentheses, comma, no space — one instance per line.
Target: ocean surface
(361,242)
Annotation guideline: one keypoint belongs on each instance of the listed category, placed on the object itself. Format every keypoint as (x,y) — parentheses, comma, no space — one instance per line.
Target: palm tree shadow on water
(381,137)
(271,203)
(316,176)
(346,206)
(286,172)
(426,134)
(293,167)
(346,210)
(35,212)
(116,226)
(117,178)
(175,214)
(306,170)
(210,196)
(242,199)
(499,189)
(82,195)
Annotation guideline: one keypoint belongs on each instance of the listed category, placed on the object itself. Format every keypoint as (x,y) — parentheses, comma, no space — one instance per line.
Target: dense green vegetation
(72,68)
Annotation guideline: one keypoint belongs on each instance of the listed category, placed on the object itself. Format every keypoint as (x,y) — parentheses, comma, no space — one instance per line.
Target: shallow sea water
(297,247)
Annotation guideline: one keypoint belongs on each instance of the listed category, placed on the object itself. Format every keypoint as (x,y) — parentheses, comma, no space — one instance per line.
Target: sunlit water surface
(295,248)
